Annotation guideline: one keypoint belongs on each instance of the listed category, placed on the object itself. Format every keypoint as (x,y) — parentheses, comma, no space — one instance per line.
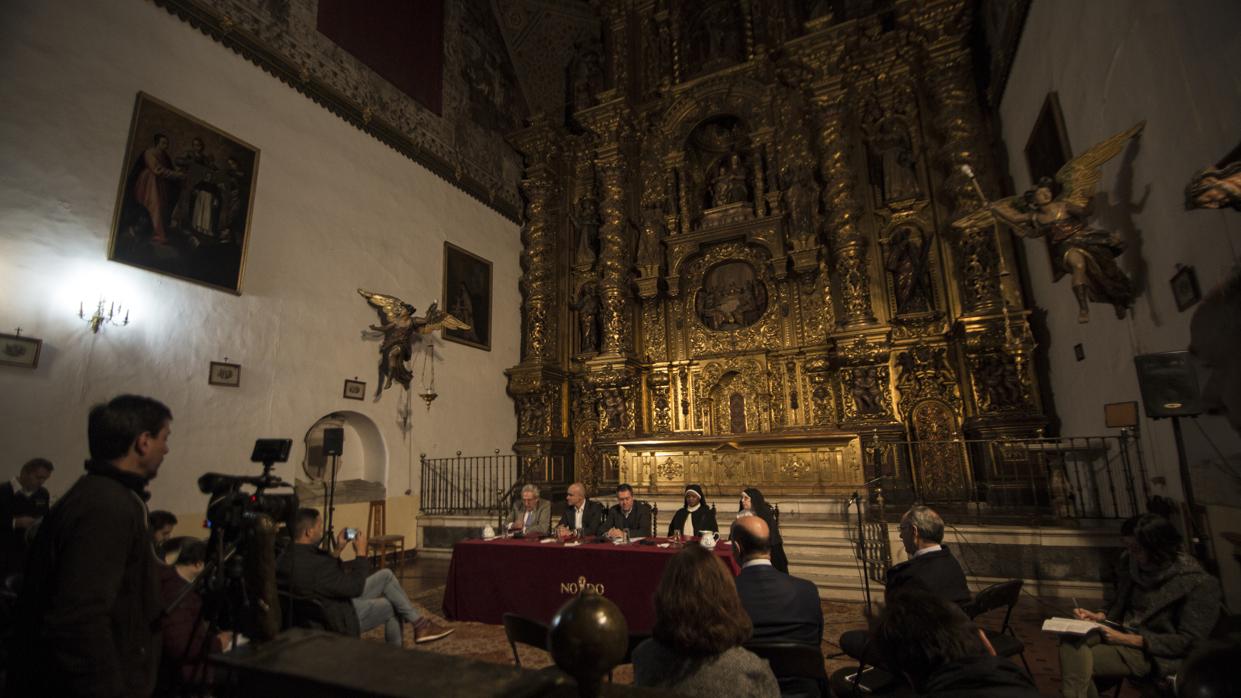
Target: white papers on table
(1070,626)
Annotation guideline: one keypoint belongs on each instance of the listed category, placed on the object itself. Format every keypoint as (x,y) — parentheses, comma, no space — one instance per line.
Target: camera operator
(89,605)
(352,602)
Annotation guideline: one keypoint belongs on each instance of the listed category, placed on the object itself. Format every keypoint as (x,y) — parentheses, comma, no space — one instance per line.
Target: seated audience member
(162,523)
(24,502)
(1169,602)
(628,515)
(781,608)
(352,601)
(941,652)
(582,514)
(752,501)
(531,516)
(184,630)
(930,567)
(695,516)
(695,646)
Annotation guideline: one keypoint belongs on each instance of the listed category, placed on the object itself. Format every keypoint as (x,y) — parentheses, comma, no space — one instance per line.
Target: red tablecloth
(487,579)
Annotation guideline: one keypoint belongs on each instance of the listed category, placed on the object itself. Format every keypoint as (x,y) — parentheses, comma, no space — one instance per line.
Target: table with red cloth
(487,579)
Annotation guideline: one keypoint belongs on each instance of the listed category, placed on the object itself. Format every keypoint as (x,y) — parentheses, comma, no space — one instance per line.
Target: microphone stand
(329,536)
(861,543)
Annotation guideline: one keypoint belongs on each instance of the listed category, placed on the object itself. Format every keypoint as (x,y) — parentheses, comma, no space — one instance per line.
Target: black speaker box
(333,441)
(1169,384)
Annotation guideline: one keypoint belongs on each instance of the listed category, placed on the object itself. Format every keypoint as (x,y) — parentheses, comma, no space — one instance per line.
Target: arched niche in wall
(359,469)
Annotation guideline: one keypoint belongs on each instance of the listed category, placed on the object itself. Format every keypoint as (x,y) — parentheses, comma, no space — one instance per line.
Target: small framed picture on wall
(19,351)
(355,389)
(225,374)
(1185,288)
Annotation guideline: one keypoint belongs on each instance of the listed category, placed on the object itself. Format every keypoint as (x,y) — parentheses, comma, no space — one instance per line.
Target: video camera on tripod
(230,509)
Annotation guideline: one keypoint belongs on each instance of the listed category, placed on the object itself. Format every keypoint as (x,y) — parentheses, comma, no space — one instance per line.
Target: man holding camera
(352,602)
(89,609)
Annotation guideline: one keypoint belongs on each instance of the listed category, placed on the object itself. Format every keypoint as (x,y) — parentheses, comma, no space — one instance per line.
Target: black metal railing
(482,484)
(1096,477)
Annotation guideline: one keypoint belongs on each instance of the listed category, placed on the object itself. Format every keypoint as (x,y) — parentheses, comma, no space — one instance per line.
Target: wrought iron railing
(482,484)
(1096,477)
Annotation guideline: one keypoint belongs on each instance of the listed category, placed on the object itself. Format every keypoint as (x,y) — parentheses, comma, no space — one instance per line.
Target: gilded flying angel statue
(401,329)
(1060,209)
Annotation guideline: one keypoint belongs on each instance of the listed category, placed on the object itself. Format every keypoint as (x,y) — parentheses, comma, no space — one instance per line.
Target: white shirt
(756,562)
(577,516)
(688,528)
(18,489)
(931,549)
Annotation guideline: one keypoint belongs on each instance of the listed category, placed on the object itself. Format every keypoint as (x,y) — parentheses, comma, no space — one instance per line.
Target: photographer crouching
(352,602)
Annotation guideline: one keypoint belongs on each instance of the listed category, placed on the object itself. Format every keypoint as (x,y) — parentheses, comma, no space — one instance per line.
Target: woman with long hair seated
(695,646)
(753,502)
(1165,605)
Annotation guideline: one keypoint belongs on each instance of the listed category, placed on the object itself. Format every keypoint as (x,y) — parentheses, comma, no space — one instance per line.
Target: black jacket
(781,607)
(310,572)
(13,540)
(89,607)
(980,677)
(638,522)
(704,520)
(594,518)
(937,572)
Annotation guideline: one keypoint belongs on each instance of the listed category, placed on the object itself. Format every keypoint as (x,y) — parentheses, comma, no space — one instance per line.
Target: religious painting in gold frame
(185,197)
(467,296)
(1047,148)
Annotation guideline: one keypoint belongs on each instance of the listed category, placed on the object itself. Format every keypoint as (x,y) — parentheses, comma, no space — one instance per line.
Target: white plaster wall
(333,210)
(1114,63)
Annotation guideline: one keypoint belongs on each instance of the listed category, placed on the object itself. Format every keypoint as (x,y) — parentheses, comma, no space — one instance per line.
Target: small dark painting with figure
(467,296)
(185,196)
(1047,149)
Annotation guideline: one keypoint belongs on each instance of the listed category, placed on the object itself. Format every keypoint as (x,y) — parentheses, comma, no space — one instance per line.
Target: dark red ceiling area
(401,40)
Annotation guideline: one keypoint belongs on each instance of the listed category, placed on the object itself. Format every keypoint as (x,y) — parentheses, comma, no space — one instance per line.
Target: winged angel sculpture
(401,329)
(1060,210)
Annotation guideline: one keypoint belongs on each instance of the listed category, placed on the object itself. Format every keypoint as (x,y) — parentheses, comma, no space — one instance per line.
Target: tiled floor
(424,581)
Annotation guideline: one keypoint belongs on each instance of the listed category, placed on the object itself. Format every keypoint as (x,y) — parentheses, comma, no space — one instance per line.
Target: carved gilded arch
(741,97)
(716,387)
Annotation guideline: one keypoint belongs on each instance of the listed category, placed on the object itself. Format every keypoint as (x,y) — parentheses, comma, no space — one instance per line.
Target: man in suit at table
(532,516)
(585,514)
(629,515)
(781,607)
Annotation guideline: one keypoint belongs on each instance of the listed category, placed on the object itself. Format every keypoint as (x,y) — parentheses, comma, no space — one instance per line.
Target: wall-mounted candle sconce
(100,318)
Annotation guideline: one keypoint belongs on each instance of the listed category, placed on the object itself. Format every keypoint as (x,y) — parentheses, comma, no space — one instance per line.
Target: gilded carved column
(959,125)
(848,244)
(614,261)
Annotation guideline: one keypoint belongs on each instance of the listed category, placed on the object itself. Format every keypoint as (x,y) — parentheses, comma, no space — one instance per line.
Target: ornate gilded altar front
(739,227)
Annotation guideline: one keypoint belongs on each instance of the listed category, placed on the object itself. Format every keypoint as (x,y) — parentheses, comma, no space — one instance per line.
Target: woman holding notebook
(1166,604)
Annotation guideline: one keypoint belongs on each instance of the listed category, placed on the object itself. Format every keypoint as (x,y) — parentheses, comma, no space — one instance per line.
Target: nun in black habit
(695,516)
(752,501)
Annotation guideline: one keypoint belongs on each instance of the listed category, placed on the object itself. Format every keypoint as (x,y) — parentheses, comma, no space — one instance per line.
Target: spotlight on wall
(99,318)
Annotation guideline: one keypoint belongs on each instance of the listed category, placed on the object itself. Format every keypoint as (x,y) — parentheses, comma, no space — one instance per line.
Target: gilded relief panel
(727,307)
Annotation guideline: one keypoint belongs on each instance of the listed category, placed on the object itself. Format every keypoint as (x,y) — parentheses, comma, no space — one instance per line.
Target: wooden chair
(793,660)
(378,542)
(300,612)
(527,632)
(1003,595)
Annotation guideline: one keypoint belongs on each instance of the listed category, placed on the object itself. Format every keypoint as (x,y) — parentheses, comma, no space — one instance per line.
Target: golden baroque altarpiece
(738,263)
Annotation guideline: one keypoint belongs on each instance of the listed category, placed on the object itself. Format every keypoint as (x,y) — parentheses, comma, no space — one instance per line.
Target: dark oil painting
(185,198)
(467,296)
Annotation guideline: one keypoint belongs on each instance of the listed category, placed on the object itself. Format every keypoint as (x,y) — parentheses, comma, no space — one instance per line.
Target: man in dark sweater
(628,515)
(89,606)
(352,601)
(930,567)
(23,503)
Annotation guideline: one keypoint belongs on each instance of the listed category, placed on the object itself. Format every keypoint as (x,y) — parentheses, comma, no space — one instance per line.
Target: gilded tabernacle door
(825,463)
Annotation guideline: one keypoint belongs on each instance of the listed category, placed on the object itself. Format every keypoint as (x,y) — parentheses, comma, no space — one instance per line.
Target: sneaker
(431,632)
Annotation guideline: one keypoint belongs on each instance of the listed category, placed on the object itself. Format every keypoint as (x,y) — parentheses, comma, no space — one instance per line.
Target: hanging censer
(428,393)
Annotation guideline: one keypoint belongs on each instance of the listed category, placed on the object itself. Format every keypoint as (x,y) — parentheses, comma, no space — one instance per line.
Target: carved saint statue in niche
(799,201)
(907,260)
(613,411)
(587,307)
(650,252)
(893,165)
(866,391)
(586,221)
(587,78)
(731,297)
(729,186)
